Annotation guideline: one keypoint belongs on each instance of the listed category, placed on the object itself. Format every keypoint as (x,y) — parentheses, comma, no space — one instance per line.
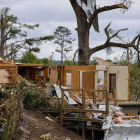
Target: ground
(36,123)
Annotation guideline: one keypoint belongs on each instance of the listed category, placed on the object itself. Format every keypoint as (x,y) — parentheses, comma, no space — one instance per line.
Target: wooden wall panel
(45,70)
(53,77)
(75,74)
(88,81)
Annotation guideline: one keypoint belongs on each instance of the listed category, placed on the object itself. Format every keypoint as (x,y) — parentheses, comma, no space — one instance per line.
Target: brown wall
(75,74)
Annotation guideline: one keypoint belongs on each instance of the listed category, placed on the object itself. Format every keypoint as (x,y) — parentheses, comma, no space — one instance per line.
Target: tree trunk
(2,38)
(83,34)
(62,56)
(83,45)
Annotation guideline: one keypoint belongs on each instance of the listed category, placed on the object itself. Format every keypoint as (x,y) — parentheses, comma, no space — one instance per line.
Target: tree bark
(83,34)
(2,38)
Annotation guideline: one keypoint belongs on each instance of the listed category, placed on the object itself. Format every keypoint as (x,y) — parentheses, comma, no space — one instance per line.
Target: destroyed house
(34,71)
(9,72)
(109,77)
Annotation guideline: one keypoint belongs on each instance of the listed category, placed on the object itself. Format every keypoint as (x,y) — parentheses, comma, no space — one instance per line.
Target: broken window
(49,71)
(40,73)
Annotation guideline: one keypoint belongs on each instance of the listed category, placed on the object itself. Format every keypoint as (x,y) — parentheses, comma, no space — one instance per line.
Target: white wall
(121,80)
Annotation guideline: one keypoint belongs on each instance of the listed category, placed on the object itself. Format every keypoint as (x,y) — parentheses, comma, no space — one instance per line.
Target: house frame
(90,78)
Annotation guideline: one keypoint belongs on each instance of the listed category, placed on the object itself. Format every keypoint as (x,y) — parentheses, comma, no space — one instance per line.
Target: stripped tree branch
(103,9)
(114,44)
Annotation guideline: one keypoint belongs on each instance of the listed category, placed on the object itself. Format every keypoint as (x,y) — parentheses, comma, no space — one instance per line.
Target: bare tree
(84,26)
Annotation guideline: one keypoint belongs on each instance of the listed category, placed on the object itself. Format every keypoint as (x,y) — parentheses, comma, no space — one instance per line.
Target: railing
(83,110)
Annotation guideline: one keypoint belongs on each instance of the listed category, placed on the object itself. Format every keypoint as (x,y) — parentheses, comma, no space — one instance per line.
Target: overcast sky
(53,13)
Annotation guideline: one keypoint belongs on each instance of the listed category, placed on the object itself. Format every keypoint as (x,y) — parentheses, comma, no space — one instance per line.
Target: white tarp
(59,94)
(126,131)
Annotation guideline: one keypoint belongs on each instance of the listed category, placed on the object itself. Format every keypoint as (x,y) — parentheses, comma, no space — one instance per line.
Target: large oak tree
(84,26)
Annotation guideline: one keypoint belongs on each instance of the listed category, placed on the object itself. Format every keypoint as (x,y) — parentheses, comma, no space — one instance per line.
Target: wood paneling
(88,81)
(75,75)
(53,77)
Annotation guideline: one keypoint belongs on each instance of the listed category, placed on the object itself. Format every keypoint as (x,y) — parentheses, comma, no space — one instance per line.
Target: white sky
(53,13)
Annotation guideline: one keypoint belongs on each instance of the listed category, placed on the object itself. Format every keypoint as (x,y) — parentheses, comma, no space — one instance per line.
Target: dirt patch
(38,125)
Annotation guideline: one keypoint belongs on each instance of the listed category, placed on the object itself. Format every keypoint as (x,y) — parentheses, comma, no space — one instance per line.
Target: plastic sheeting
(124,131)
(89,9)
(59,94)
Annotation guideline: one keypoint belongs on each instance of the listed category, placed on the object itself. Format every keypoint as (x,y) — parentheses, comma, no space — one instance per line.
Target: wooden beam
(30,65)
(82,119)
(87,128)
(107,104)
(82,110)
(83,114)
(62,106)
(94,97)
(90,90)
(115,97)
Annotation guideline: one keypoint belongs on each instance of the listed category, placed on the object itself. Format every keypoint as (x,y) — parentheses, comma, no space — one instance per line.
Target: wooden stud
(93,135)
(89,90)
(107,104)
(83,115)
(115,97)
(62,106)
(82,110)
(94,97)
(128,83)
(121,136)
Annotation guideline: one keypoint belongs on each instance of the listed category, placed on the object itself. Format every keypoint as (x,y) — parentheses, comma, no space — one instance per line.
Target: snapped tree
(62,37)
(11,29)
(84,26)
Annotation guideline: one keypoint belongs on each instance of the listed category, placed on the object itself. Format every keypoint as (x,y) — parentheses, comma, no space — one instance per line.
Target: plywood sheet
(53,77)
(88,81)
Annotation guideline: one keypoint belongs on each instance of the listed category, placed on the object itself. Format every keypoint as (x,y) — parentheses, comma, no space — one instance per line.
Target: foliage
(11,29)
(62,37)
(109,60)
(6,136)
(68,62)
(48,61)
(32,96)
(4,94)
(30,58)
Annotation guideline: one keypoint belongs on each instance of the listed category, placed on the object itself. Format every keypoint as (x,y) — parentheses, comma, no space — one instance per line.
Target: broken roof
(102,62)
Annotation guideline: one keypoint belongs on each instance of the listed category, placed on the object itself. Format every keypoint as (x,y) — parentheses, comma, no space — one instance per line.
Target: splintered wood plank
(88,81)
(128,83)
